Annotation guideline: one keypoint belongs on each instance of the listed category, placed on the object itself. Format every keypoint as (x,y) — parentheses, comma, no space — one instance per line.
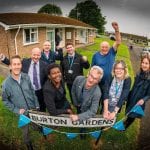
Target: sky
(131,15)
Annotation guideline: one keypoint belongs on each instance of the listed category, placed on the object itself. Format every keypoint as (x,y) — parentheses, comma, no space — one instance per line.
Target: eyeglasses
(95,79)
(119,68)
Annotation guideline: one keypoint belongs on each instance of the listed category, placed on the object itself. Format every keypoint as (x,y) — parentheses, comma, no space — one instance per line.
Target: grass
(112,140)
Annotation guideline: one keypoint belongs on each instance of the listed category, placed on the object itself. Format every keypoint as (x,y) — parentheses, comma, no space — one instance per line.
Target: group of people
(39,83)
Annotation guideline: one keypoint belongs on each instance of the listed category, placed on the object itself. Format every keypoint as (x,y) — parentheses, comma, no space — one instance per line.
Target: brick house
(20,32)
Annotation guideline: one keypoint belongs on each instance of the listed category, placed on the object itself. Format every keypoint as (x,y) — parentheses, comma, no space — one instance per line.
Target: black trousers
(128,122)
(39,94)
(26,133)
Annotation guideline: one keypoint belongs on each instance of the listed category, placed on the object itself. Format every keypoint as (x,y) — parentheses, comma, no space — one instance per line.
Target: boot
(29,146)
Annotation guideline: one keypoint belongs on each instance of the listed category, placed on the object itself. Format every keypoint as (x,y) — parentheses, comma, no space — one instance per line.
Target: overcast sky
(132,15)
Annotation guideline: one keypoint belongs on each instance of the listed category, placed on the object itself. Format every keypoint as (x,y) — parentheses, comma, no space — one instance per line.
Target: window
(30,35)
(68,35)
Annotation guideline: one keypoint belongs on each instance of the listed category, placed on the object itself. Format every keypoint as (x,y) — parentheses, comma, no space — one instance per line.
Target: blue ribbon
(71,135)
(95,134)
(46,130)
(23,120)
(119,126)
(138,110)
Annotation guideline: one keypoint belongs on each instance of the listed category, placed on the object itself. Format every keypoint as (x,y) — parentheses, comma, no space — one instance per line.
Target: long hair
(145,56)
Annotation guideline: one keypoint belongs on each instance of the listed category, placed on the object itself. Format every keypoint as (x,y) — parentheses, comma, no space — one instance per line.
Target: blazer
(42,67)
(89,104)
(26,65)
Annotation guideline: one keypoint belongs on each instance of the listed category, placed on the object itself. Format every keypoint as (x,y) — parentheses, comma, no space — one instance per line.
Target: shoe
(29,146)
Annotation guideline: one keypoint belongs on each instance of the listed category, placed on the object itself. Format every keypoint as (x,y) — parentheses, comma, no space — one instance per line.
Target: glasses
(95,79)
(119,68)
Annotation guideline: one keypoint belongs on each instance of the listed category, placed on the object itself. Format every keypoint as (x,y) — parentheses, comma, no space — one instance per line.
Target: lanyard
(117,88)
(70,60)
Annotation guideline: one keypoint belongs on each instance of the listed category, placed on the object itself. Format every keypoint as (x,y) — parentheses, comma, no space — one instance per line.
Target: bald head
(104,46)
(36,54)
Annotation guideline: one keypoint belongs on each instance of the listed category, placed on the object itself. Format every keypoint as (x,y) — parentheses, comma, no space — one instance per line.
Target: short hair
(122,62)
(15,57)
(51,66)
(47,41)
(69,43)
(99,69)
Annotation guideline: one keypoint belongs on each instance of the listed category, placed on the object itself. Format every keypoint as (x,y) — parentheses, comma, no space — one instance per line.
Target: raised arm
(4,59)
(117,35)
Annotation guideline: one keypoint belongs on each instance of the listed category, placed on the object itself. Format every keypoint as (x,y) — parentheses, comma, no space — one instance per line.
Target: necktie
(35,78)
(70,60)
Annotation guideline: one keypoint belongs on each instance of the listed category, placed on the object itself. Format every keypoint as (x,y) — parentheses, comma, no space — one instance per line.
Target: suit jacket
(42,67)
(26,65)
(89,104)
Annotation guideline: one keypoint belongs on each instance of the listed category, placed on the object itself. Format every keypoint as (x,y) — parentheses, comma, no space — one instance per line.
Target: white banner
(65,121)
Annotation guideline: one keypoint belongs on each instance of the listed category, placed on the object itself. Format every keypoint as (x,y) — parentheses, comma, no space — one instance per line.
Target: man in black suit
(28,66)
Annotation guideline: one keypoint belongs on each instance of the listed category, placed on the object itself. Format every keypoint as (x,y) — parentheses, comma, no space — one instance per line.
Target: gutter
(16,40)
(45,25)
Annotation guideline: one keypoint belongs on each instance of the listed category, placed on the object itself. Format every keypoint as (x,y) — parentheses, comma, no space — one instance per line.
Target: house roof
(10,19)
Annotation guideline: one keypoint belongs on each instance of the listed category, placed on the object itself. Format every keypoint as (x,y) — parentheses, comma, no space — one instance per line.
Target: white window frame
(51,30)
(30,32)
(68,35)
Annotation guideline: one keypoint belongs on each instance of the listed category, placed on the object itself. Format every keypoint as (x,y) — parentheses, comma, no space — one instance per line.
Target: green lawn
(112,140)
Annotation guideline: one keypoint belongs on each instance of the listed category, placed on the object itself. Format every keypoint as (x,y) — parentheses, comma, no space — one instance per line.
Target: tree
(50,9)
(90,13)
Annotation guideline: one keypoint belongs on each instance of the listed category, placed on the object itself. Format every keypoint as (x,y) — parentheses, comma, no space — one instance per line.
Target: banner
(65,121)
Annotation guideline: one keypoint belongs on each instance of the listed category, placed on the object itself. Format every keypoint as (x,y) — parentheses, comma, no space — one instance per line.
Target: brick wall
(7,42)
(23,50)
(3,41)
